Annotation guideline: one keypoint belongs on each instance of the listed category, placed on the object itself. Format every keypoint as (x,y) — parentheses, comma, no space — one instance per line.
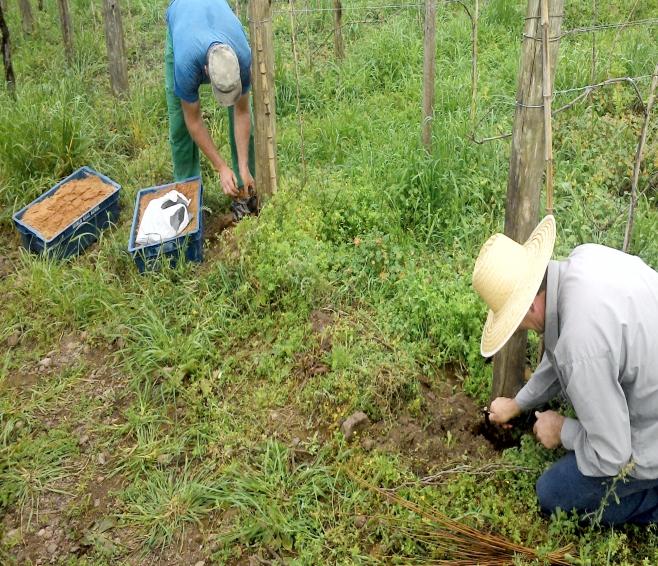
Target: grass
(215,393)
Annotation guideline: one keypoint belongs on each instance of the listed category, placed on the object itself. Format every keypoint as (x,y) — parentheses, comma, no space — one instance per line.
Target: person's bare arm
(201,136)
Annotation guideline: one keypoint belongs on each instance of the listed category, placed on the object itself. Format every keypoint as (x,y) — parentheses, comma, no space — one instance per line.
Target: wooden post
(526,170)
(67,29)
(116,50)
(429,69)
(338,30)
(6,54)
(262,65)
(27,20)
(547,97)
(474,63)
(638,161)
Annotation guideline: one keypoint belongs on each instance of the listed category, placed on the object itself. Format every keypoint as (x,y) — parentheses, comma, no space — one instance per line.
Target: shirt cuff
(570,430)
(524,400)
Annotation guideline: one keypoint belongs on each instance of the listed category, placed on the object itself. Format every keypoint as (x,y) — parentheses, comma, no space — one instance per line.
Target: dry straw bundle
(460,544)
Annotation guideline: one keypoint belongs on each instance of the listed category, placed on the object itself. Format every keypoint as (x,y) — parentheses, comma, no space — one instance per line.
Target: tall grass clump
(44,135)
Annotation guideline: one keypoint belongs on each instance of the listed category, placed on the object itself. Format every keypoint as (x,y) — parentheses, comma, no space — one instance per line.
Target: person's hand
(249,182)
(228,180)
(502,410)
(548,427)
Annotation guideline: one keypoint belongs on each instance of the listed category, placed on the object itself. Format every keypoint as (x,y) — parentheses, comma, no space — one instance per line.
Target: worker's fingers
(229,186)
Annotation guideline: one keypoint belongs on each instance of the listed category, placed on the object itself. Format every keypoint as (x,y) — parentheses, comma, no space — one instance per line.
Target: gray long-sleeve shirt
(601,351)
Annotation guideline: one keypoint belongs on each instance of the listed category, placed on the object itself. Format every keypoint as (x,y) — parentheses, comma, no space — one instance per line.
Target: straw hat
(507,275)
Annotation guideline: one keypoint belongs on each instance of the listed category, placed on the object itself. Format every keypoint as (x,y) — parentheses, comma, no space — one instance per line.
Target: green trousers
(184,152)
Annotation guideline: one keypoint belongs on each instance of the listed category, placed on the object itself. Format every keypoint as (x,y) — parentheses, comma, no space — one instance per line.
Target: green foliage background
(367,226)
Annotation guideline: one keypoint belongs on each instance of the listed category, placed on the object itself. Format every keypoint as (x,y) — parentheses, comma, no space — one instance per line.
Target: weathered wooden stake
(116,50)
(526,170)
(300,118)
(67,29)
(429,70)
(474,63)
(6,54)
(262,50)
(547,96)
(27,20)
(638,161)
(338,30)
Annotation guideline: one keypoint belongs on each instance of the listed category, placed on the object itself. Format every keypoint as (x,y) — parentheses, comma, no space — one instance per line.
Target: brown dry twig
(460,543)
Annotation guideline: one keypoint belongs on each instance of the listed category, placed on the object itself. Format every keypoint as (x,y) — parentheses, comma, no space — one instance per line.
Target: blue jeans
(628,501)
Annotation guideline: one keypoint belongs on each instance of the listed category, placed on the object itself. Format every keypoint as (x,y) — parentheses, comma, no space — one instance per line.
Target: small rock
(83,336)
(355,422)
(45,363)
(100,479)
(48,534)
(102,459)
(18,425)
(360,521)
(14,339)
(41,533)
(200,563)
(368,444)
(83,439)
(120,343)
(164,459)
(52,548)
(296,441)
(97,502)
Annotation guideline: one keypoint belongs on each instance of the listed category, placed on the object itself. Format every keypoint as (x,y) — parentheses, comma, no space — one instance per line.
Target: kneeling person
(598,312)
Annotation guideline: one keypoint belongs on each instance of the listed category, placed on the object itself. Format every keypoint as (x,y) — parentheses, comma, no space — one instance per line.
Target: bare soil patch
(70,202)
(445,430)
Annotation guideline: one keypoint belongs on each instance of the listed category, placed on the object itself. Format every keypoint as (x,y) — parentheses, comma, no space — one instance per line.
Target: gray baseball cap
(224,73)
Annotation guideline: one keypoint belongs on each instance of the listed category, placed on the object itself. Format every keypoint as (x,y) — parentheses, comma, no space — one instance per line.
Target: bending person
(207,44)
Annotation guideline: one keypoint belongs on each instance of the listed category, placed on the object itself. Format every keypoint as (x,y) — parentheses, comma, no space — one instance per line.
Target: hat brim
(498,329)
(227,98)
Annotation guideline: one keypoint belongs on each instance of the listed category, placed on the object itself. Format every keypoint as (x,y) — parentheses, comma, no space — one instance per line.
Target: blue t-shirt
(194,25)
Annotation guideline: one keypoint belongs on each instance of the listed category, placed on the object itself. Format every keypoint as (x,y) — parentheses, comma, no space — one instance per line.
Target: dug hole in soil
(191,192)
(71,201)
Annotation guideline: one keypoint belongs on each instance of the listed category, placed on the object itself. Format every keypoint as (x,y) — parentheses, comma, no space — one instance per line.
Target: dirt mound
(446,429)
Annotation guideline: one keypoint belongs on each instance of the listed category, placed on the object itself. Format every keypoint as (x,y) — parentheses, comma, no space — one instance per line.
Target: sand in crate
(71,201)
(189,189)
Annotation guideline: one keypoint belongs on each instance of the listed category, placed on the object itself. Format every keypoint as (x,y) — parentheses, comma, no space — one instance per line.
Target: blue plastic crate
(188,245)
(82,232)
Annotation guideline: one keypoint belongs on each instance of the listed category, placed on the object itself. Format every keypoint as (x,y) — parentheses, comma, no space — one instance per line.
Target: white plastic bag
(164,218)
